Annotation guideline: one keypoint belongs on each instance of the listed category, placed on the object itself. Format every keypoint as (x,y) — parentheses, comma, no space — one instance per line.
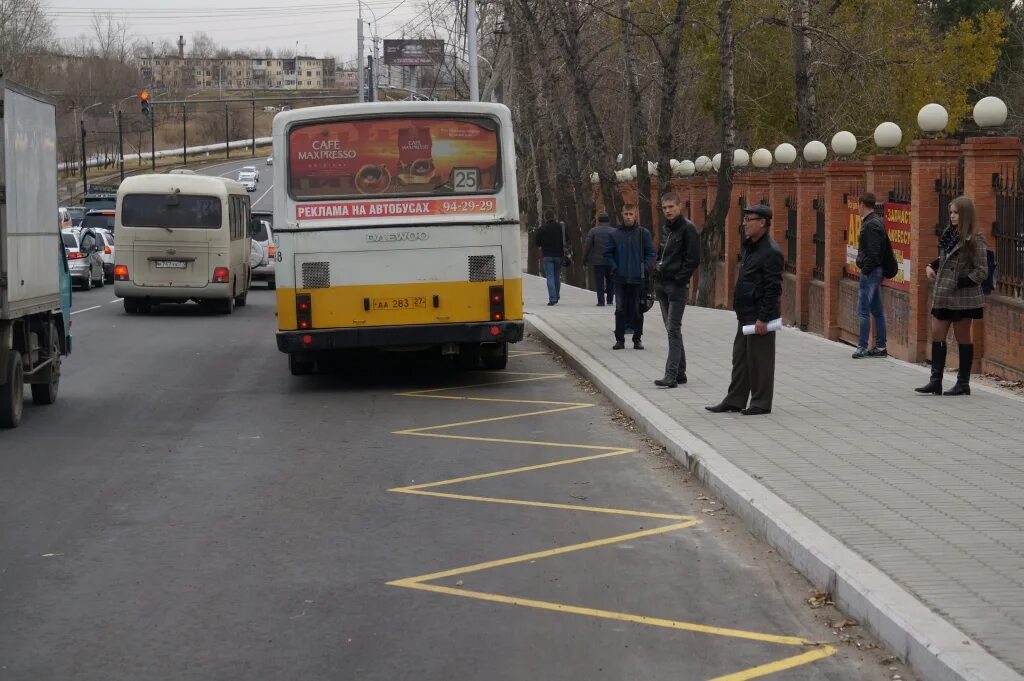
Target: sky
(320,27)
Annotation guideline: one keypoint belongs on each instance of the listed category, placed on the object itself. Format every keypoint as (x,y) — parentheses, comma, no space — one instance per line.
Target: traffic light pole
(120,145)
(152,142)
(85,161)
(184,137)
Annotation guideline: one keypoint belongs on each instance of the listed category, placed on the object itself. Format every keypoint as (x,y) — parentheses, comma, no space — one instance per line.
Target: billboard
(413,52)
(896,218)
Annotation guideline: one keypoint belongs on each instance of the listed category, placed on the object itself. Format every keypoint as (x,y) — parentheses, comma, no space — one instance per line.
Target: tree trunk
(638,126)
(803,73)
(712,236)
(669,90)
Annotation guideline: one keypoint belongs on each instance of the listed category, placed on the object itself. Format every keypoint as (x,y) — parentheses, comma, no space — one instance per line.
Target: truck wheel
(46,393)
(299,366)
(227,306)
(12,393)
(240,300)
(495,357)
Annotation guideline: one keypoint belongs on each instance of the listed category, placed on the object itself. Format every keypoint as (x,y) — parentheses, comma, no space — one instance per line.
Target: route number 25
(466,179)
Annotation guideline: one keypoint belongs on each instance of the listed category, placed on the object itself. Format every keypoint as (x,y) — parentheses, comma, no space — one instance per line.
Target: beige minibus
(179,238)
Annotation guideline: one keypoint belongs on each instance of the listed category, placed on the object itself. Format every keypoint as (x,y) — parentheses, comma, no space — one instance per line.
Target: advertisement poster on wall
(852,234)
(896,217)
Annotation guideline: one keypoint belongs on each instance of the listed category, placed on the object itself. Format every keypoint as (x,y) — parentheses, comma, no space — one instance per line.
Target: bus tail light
(497,303)
(221,275)
(121,273)
(304,310)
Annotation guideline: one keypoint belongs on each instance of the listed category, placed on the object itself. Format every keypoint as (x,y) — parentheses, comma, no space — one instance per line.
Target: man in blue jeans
(550,244)
(869,261)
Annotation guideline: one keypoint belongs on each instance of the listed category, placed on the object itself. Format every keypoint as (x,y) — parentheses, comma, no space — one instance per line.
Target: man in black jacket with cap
(756,301)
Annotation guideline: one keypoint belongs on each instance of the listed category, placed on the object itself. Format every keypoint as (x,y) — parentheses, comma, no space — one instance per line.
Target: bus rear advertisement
(399,229)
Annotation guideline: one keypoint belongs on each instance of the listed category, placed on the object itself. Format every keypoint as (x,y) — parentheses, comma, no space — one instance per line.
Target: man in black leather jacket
(678,259)
(756,301)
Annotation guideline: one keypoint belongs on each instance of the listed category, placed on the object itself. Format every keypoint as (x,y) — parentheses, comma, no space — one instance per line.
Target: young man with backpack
(872,252)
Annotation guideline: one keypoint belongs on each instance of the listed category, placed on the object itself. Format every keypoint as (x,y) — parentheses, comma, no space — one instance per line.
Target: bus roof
(186,184)
(371,109)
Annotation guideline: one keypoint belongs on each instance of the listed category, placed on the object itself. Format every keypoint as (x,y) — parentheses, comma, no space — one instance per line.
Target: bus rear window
(177,211)
(393,157)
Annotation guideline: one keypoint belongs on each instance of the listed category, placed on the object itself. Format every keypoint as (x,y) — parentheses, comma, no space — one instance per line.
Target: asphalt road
(189,510)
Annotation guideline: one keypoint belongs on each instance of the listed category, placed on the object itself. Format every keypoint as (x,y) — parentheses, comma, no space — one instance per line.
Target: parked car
(263,234)
(247,180)
(99,219)
(84,260)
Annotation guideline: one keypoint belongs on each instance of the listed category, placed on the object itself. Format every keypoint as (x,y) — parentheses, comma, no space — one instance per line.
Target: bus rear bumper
(391,336)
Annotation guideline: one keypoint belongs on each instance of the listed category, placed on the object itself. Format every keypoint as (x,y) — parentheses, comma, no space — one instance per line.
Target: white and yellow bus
(398,228)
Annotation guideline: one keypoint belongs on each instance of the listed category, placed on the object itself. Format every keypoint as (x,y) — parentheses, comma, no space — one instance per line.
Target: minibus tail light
(497,303)
(304,310)
(220,275)
(120,272)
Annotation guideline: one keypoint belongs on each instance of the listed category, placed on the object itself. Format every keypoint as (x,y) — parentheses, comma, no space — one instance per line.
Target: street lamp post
(85,160)
(184,130)
(120,136)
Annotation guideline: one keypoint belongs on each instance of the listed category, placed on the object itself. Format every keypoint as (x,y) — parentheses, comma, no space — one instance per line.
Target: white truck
(35,287)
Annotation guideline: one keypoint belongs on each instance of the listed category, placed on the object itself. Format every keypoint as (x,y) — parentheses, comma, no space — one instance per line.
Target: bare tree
(712,236)
(25,32)
(803,72)
(203,46)
(111,38)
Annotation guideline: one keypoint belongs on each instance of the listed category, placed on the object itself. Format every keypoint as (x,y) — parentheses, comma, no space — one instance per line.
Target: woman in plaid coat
(958,300)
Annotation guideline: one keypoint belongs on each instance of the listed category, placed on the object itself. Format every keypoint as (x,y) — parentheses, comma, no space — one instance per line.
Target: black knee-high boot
(934,386)
(963,374)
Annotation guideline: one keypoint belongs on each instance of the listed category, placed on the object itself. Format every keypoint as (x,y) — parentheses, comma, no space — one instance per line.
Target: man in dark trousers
(629,255)
(869,261)
(594,247)
(756,301)
(678,259)
(550,244)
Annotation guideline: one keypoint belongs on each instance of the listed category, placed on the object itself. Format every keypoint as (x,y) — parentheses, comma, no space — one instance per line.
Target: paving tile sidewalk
(929,490)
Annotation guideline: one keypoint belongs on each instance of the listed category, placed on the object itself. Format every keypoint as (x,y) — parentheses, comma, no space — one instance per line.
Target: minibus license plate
(409,303)
(173,264)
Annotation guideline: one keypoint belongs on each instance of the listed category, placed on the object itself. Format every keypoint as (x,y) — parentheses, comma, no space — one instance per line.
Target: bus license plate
(409,303)
(173,264)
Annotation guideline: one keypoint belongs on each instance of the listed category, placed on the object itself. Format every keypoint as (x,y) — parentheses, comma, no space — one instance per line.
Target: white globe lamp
(932,118)
(785,153)
(844,143)
(716,162)
(990,112)
(762,158)
(595,178)
(652,168)
(815,152)
(888,135)
(687,168)
(673,165)
(702,164)
(632,172)
(740,158)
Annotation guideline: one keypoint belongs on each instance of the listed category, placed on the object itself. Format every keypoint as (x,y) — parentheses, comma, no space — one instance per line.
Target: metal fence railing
(791,235)
(819,239)
(1008,232)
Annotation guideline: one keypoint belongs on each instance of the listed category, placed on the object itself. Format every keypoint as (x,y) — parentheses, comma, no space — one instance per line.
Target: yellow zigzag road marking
(680,522)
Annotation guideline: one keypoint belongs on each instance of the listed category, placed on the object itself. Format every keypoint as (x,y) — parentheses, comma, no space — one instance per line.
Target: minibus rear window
(175,211)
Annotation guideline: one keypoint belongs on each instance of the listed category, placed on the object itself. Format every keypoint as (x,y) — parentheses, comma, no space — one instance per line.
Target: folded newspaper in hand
(773,325)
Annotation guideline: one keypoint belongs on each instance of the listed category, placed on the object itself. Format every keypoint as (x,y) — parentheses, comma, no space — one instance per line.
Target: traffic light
(147,108)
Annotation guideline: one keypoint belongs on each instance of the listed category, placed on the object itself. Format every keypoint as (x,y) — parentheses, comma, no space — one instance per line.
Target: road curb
(934,648)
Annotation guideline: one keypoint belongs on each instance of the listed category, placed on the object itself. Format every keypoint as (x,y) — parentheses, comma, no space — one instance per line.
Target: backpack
(990,280)
(890,268)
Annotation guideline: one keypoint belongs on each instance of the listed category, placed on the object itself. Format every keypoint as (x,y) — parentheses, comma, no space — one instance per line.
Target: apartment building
(239,73)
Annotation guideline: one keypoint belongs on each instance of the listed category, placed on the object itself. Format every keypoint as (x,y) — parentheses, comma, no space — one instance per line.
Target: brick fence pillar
(983,158)
(882,173)
(739,196)
(780,189)
(698,195)
(929,158)
(810,185)
(840,177)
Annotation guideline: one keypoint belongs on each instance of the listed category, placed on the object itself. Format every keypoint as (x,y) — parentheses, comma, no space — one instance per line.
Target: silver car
(248,180)
(85,260)
(263,234)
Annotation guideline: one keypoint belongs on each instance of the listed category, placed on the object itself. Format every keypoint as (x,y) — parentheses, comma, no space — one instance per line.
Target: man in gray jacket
(594,248)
